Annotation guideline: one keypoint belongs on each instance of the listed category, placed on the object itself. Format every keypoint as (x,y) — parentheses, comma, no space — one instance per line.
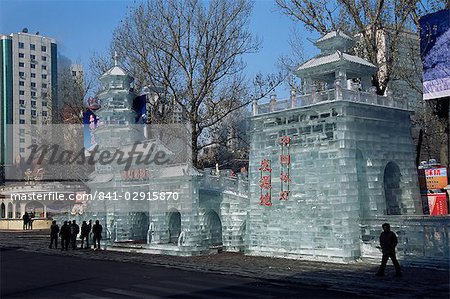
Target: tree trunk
(419,147)
(194,139)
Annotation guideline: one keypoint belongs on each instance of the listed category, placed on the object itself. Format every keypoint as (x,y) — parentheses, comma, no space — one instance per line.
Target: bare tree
(381,25)
(191,53)
(386,30)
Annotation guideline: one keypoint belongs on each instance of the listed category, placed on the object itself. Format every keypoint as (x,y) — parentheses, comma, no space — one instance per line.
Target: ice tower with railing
(327,158)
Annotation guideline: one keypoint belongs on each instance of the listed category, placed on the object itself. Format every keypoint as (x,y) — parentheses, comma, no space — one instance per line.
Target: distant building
(405,82)
(162,108)
(28,72)
(77,72)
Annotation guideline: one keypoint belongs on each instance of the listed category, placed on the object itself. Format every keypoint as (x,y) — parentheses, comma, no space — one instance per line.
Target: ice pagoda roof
(337,33)
(116,71)
(334,40)
(337,56)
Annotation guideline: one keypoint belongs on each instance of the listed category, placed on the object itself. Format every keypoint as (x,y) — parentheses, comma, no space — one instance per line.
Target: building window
(21,55)
(22,150)
(33,66)
(21,64)
(44,104)
(33,56)
(33,94)
(32,47)
(33,84)
(44,76)
(21,92)
(21,74)
(44,58)
(74,73)
(44,95)
(44,85)
(22,102)
(44,113)
(22,111)
(33,103)
(33,112)
(33,75)
(44,67)
(21,45)
(21,83)
(43,48)
(22,140)
(21,121)
(21,131)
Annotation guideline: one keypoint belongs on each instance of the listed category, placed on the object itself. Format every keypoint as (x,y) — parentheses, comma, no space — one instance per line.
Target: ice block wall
(339,152)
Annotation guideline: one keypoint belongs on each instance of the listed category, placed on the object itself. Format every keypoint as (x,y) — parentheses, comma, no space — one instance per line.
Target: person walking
(89,229)
(388,242)
(97,234)
(74,230)
(54,230)
(84,234)
(64,233)
(25,219)
(30,221)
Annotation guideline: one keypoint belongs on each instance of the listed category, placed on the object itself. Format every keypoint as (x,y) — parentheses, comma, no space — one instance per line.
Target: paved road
(249,271)
(35,275)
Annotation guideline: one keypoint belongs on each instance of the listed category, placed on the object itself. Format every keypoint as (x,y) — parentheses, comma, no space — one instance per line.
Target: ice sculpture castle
(323,161)
(327,167)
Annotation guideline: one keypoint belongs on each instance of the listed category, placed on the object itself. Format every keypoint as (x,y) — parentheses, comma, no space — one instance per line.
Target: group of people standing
(69,232)
(28,220)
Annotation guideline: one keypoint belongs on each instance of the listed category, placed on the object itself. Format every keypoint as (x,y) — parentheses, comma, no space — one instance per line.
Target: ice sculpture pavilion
(324,160)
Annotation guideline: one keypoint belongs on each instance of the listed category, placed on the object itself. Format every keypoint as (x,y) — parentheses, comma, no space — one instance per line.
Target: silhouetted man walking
(54,230)
(64,233)
(84,234)
(74,230)
(97,233)
(388,242)
(25,218)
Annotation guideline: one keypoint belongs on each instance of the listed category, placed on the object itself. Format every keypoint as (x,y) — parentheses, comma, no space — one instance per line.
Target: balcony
(328,96)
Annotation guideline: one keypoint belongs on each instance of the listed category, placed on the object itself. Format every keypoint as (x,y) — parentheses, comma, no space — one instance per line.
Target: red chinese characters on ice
(285,163)
(265,183)
(285,140)
(285,159)
(285,177)
(265,200)
(265,166)
(284,195)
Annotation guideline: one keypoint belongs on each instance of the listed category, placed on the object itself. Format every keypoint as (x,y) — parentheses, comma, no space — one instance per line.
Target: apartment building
(28,73)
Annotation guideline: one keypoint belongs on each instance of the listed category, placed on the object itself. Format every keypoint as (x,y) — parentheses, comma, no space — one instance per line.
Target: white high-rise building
(28,70)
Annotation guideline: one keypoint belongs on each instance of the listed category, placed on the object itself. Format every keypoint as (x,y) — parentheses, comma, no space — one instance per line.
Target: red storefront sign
(434,178)
(437,202)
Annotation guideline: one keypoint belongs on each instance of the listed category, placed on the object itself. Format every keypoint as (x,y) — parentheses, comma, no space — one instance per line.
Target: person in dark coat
(54,230)
(25,218)
(388,242)
(89,229)
(64,233)
(30,221)
(97,233)
(84,234)
(74,230)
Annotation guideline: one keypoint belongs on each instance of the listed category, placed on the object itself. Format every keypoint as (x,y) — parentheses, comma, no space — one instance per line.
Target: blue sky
(82,27)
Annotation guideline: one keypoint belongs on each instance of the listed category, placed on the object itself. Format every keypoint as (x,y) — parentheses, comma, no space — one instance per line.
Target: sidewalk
(356,278)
